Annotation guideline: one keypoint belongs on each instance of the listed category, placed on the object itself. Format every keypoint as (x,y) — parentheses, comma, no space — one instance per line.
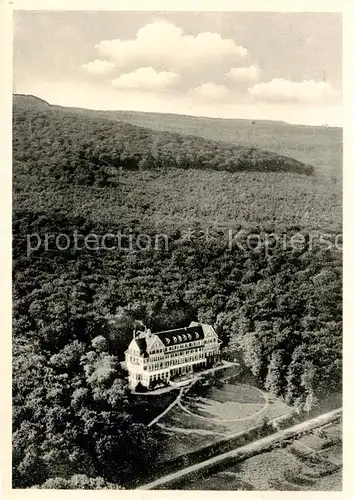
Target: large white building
(154,357)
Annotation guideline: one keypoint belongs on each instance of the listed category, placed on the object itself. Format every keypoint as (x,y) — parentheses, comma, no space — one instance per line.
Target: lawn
(243,394)
(226,410)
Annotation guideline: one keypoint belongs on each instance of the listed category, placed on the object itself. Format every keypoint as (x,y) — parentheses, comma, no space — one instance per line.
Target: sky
(253,65)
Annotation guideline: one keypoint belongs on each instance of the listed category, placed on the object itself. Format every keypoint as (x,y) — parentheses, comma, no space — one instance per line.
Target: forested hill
(275,301)
(86,149)
(320,146)
(29,101)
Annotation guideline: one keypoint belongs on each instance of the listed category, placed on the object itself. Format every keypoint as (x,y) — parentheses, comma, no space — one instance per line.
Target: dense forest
(74,423)
(318,146)
(87,151)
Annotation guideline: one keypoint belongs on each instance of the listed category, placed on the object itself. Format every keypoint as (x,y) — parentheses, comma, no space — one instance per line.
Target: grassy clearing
(227,411)
(313,441)
(178,418)
(237,406)
(238,394)
(220,409)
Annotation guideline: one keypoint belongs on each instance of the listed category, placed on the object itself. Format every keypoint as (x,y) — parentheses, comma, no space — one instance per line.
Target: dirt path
(243,452)
(184,430)
(156,419)
(176,401)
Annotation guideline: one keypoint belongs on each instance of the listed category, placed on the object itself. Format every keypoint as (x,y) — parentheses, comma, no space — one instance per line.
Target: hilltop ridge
(318,146)
(94,144)
(23,100)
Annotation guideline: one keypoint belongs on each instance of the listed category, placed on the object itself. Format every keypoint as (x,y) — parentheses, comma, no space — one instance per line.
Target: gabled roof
(170,337)
(153,340)
(141,343)
(181,335)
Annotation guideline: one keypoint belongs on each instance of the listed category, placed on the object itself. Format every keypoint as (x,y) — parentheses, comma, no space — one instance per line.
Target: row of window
(178,353)
(171,348)
(173,355)
(133,359)
(158,376)
(157,351)
(185,345)
(193,352)
(155,358)
(138,376)
(174,362)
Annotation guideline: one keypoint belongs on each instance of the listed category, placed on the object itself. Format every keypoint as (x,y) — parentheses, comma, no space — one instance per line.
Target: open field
(292,467)
(229,404)
(232,408)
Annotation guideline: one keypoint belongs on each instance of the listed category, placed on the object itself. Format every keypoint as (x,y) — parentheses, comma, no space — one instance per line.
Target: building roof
(170,337)
(181,335)
(141,343)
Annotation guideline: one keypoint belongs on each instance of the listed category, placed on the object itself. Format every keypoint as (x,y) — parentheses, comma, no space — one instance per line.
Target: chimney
(148,332)
(134,332)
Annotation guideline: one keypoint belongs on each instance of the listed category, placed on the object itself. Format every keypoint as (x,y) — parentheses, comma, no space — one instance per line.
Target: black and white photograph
(177,250)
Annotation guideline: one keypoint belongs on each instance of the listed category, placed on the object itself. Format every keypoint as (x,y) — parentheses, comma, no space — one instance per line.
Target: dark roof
(172,337)
(141,343)
(181,335)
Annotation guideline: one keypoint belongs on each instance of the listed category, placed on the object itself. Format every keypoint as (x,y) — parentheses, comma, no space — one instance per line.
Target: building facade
(159,357)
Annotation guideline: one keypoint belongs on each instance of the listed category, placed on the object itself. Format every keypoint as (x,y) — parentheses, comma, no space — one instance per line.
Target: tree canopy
(74,422)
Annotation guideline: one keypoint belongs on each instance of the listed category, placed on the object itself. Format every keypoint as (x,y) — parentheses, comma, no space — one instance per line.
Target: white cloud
(164,44)
(210,92)
(98,67)
(146,79)
(279,89)
(244,74)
